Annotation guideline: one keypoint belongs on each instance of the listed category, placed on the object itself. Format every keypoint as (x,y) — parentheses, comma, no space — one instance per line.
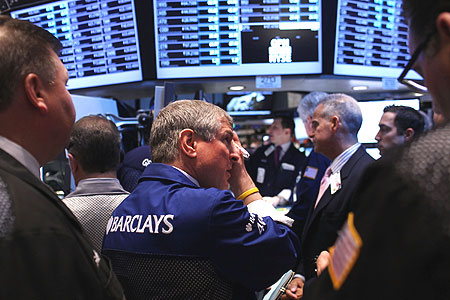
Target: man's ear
(334,123)
(188,142)
(34,91)
(409,134)
(443,26)
(73,163)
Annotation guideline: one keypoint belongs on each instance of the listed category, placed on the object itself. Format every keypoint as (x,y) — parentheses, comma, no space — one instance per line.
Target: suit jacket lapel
(11,165)
(327,197)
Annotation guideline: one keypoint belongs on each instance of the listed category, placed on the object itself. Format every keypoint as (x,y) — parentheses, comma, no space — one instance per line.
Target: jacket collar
(165,172)
(13,167)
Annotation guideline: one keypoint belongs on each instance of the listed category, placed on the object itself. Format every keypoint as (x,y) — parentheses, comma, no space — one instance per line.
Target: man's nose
(378,136)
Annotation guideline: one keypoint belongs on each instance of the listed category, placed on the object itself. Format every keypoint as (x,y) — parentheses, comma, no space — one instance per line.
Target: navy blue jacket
(275,179)
(169,217)
(307,187)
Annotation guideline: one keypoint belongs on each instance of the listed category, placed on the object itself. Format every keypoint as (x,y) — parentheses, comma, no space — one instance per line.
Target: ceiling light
(236,87)
(360,87)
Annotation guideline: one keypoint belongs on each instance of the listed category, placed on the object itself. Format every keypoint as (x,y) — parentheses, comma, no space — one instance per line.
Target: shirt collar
(339,162)
(96,186)
(21,155)
(284,148)
(194,181)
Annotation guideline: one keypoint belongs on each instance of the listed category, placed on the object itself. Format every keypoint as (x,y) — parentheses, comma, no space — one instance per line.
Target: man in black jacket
(397,243)
(274,167)
(335,125)
(44,253)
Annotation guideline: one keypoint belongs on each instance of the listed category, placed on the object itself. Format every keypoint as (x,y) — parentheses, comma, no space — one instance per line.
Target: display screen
(371,39)
(100,41)
(372,112)
(245,104)
(237,37)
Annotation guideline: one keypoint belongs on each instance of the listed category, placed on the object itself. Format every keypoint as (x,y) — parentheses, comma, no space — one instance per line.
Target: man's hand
(294,289)
(240,180)
(322,261)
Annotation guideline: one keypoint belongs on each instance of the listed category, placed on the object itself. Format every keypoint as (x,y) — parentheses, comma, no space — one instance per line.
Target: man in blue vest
(308,180)
(182,234)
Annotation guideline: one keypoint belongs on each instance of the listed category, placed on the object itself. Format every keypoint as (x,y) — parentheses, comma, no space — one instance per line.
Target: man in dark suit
(335,125)
(396,244)
(274,167)
(44,252)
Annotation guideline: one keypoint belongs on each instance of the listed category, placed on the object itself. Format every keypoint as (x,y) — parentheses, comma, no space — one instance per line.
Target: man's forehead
(388,116)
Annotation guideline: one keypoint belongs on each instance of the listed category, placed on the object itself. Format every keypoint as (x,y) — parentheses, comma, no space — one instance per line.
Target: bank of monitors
(100,39)
(371,39)
(211,38)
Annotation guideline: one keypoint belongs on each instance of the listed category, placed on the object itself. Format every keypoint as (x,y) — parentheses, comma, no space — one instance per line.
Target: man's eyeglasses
(414,85)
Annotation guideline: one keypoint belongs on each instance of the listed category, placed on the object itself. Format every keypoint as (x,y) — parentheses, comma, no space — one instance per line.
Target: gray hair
(24,48)
(202,117)
(344,107)
(309,103)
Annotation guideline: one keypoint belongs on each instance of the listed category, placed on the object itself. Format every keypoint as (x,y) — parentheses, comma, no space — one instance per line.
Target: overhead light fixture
(418,94)
(236,87)
(360,88)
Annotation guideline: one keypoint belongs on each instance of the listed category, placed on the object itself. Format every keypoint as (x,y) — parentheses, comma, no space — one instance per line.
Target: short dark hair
(24,48)
(95,143)
(406,117)
(422,14)
(287,122)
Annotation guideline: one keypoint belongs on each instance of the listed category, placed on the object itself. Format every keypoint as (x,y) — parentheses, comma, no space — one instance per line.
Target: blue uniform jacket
(167,214)
(269,179)
(307,187)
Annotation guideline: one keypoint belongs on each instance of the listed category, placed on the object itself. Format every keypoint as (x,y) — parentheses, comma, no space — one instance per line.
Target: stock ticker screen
(99,37)
(371,39)
(209,38)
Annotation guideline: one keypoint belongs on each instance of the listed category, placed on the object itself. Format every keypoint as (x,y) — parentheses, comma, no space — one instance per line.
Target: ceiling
(328,83)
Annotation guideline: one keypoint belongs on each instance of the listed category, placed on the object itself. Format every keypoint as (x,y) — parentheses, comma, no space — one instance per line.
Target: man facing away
(44,252)
(335,125)
(94,154)
(181,233)
(274,167)
(398,125)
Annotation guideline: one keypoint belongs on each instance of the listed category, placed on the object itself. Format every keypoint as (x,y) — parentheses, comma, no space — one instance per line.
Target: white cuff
(300,276)
(265,209)
(284,195)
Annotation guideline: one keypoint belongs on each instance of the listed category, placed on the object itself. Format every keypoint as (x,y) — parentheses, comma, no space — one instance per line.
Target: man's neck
(110,174)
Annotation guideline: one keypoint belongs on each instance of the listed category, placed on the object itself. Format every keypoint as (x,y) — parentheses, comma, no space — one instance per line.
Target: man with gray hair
(335,125)
(181,234)
(308,181)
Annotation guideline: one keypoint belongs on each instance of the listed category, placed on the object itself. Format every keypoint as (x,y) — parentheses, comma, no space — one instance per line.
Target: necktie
(276,155)
(324,183)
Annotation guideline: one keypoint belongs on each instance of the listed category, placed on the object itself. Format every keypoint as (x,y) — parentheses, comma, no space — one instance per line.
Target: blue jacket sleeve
(252,251)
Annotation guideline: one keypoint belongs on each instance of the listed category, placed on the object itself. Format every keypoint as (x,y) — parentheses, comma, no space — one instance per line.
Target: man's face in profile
(388,137)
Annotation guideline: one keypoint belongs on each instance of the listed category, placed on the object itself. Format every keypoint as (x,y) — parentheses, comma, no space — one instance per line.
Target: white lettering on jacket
(141,224)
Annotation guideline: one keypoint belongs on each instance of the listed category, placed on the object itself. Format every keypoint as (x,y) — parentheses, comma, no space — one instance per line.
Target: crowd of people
(194,219)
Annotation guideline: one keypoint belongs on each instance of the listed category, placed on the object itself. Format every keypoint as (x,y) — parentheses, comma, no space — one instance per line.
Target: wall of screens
(371,39)
(99,37)
(209,38)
